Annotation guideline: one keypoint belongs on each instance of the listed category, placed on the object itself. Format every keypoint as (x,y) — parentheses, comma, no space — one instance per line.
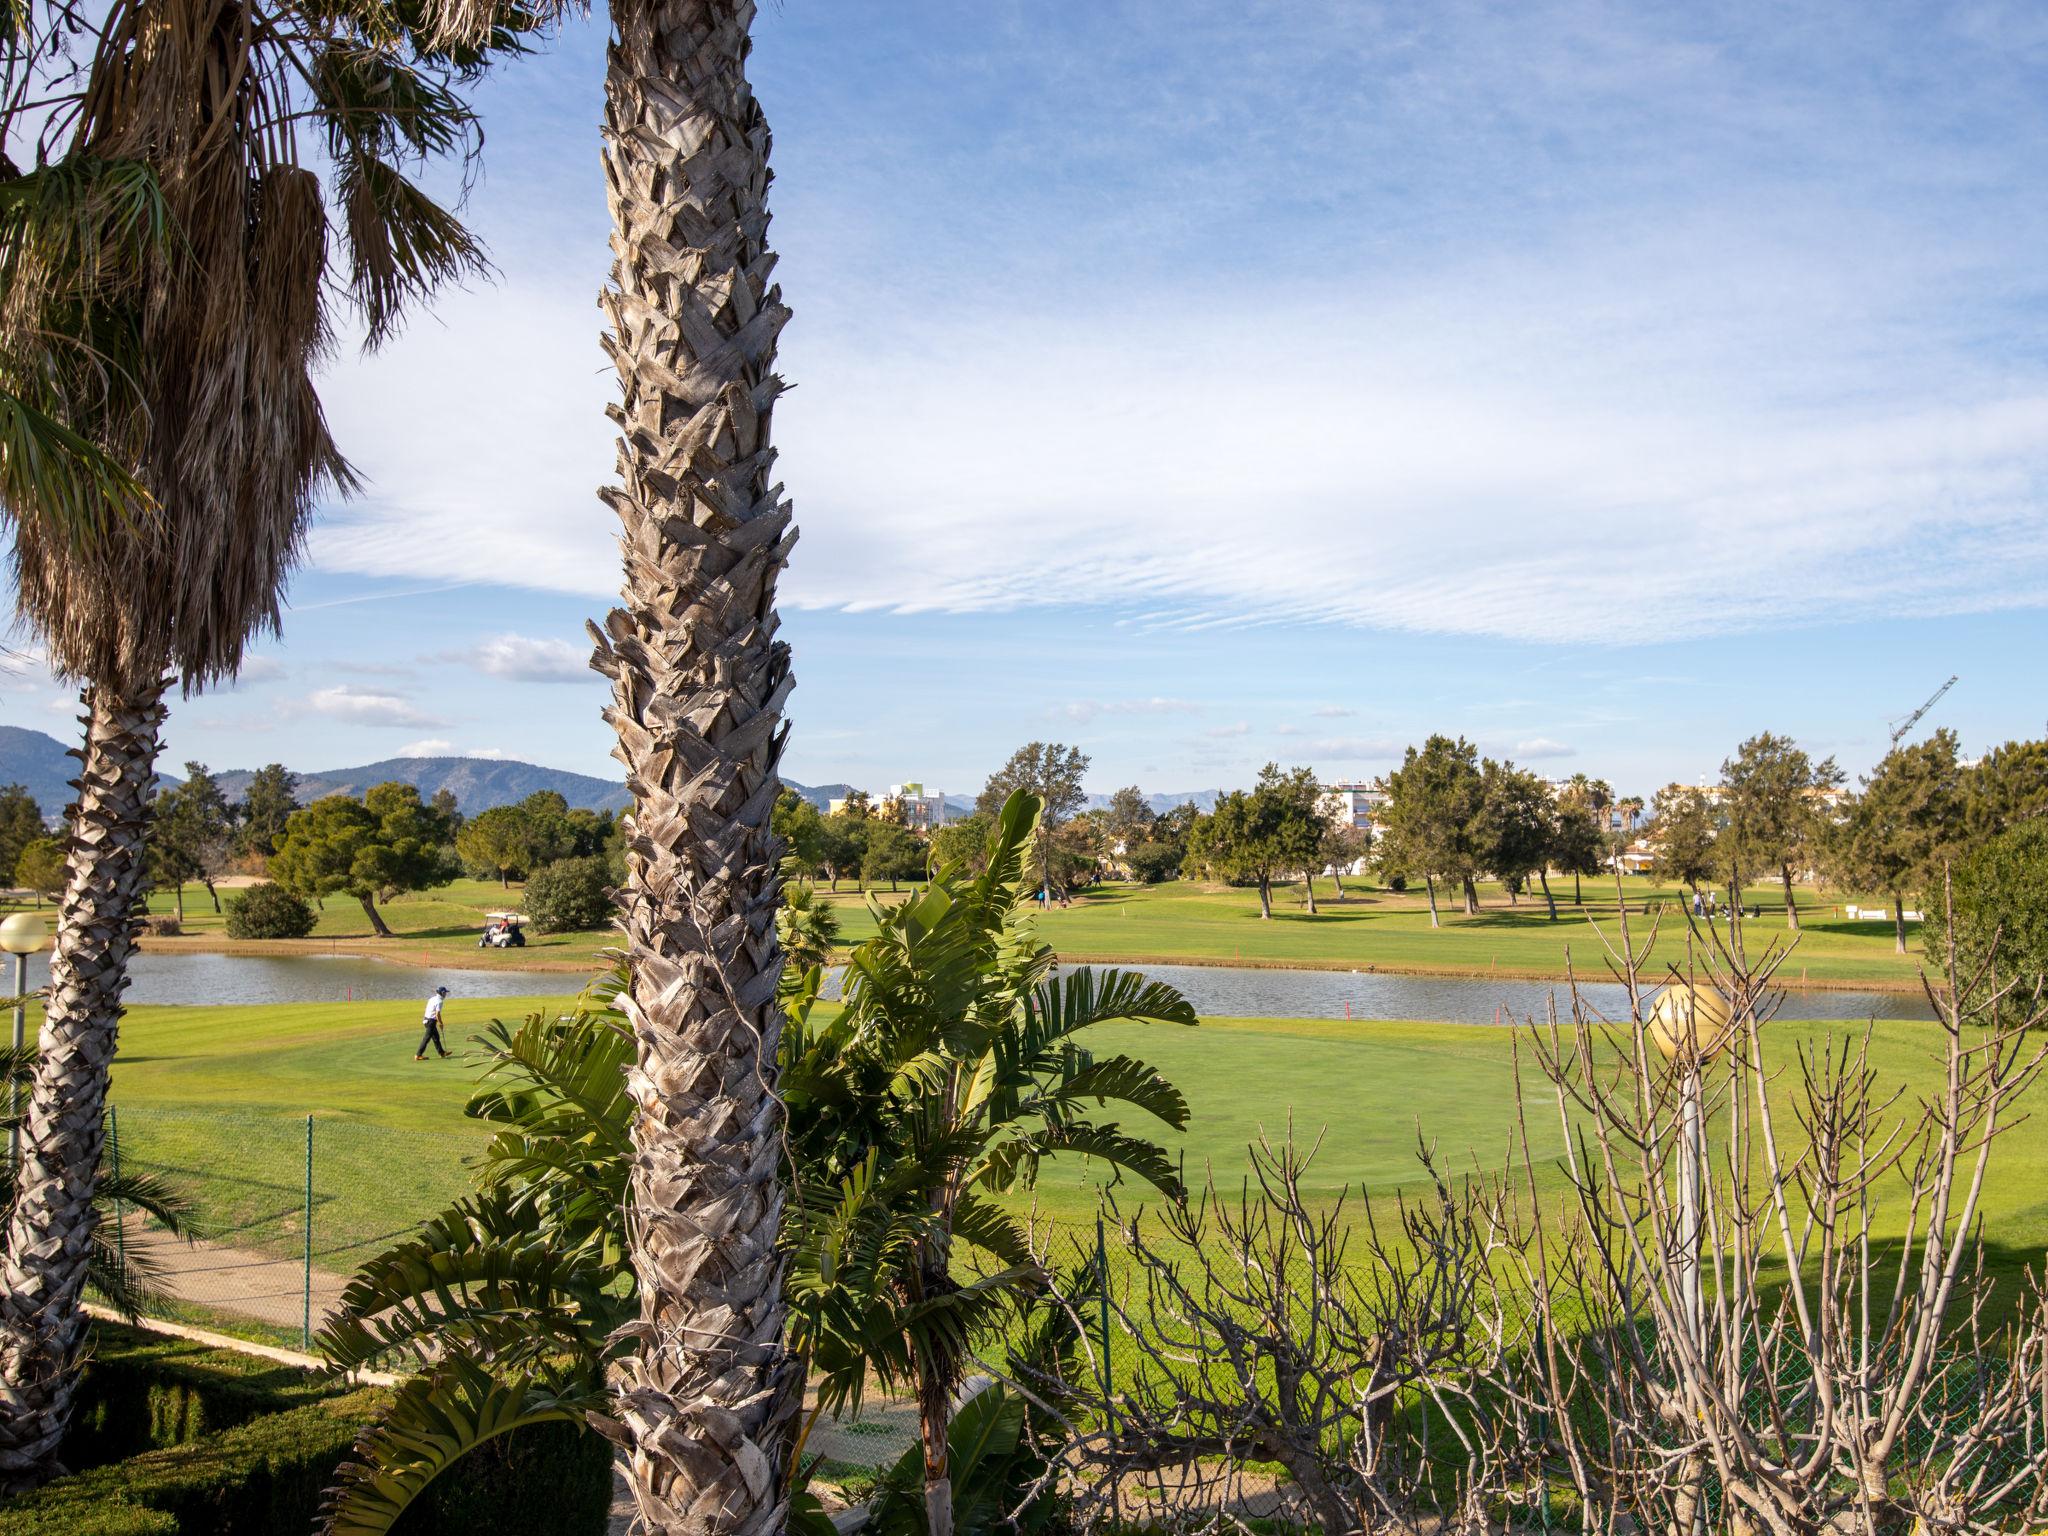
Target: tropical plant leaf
(435,1420)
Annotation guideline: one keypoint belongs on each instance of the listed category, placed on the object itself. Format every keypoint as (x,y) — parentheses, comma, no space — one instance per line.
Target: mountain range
(43,766)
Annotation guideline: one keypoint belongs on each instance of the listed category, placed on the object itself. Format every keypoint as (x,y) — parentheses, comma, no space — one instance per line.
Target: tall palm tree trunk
(705,1405)
(49,1230)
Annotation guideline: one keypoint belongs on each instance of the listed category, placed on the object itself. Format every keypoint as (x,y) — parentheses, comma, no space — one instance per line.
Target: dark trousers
(431,1037)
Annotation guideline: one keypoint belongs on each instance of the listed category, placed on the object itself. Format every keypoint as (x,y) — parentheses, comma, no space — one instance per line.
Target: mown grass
(1378,928)
(228,1088)
(1369,929)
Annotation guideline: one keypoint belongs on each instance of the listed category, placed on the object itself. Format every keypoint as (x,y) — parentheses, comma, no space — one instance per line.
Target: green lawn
(1183,921)
(1375,928)
(221,1094)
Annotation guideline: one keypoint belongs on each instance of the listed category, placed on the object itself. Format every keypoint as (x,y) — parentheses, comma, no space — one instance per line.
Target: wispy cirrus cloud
(1094,709)
(1681,323)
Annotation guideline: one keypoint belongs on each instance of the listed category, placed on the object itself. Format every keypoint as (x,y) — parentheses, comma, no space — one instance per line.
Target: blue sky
(1205,383)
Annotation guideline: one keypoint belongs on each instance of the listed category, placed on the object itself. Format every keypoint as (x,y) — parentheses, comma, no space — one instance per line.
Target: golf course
(1369,928)
(218,1100)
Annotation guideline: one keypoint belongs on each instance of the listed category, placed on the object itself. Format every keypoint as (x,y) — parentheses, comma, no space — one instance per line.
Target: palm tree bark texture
(49,1231)
(706,1400)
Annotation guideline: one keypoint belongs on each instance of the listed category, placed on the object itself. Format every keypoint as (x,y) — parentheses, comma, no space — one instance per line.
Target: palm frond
(402,245)
(437,1419)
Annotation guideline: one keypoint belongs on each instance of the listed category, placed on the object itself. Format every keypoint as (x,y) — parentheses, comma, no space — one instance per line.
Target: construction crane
(1913,719)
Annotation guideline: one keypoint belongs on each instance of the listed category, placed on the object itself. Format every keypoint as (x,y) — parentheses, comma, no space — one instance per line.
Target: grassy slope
(230,1080)
(1176,922)
(1379,928)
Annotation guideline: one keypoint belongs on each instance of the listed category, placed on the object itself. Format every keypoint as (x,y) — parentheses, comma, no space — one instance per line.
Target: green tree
(807,926)
(373,849)
(1254,837)
(21,823)
(1433,805)
(1576,845)
(845,845)
(892,854)
(194,835)
(1129,820)
(502,839)
(955,995)
(1154,863)
(2000,917)
(1051,772)
(267,804)
(1774,813)
(553,829)
(963,843)
(2008,786)
(802,830)
(1515,828)
(1908,819)
(41,867)
(1684,827)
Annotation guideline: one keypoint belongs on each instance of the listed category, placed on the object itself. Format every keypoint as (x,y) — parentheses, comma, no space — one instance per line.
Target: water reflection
(1224,991)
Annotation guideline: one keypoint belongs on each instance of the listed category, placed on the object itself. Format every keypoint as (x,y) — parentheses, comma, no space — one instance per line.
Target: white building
(922,810)
(1356,804)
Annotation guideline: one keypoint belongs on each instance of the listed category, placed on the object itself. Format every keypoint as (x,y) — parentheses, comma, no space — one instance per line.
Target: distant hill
(820,795)
(39,764)
(478,783)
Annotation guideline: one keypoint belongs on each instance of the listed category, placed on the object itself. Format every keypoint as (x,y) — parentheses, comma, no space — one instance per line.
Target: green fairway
(225,1091)
(1376,928)
(1182,921)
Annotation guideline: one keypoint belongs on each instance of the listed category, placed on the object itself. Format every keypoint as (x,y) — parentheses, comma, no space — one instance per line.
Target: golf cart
(506,930)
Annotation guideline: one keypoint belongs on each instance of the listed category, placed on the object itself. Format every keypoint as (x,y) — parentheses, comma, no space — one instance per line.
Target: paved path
(241,1281)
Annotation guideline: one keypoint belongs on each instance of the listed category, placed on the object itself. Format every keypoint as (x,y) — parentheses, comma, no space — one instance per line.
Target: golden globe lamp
(1690,1019)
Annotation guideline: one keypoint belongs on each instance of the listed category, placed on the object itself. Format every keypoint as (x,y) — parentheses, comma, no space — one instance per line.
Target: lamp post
(22,935)
(1691,1025)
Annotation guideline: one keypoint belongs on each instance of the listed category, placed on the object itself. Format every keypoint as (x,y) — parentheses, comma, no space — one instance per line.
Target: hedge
(263,1477)
(145,1391)
(269,1475)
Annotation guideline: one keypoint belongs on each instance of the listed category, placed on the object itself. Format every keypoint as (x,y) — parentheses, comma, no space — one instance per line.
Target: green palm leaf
(435,1421)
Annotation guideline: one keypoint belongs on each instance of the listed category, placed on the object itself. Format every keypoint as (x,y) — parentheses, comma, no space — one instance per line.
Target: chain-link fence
(277,1211)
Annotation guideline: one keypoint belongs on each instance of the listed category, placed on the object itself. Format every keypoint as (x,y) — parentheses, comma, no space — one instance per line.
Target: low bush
(143,1391)
(271,1473)
(268,912)
(1155,863)
(569,895)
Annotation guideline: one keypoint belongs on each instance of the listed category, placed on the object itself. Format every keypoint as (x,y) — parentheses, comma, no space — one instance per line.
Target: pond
(1222,991)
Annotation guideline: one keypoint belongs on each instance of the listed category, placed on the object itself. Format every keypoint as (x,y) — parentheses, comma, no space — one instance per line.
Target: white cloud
(1237,728)
(430,746)
(525,659)
(1334,712)
(256,671)
(1090,709)
(362,706)
(1649,330)
(1538,747)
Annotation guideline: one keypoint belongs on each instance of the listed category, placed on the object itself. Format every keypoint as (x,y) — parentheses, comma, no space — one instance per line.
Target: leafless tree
(1763,1302)
(1355,1351)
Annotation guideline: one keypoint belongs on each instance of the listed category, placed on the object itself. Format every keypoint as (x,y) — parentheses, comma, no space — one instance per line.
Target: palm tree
(699,680)
(952,1072)
(166,257)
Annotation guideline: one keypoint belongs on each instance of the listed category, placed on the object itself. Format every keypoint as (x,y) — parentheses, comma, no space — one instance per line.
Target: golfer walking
(433,1032)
